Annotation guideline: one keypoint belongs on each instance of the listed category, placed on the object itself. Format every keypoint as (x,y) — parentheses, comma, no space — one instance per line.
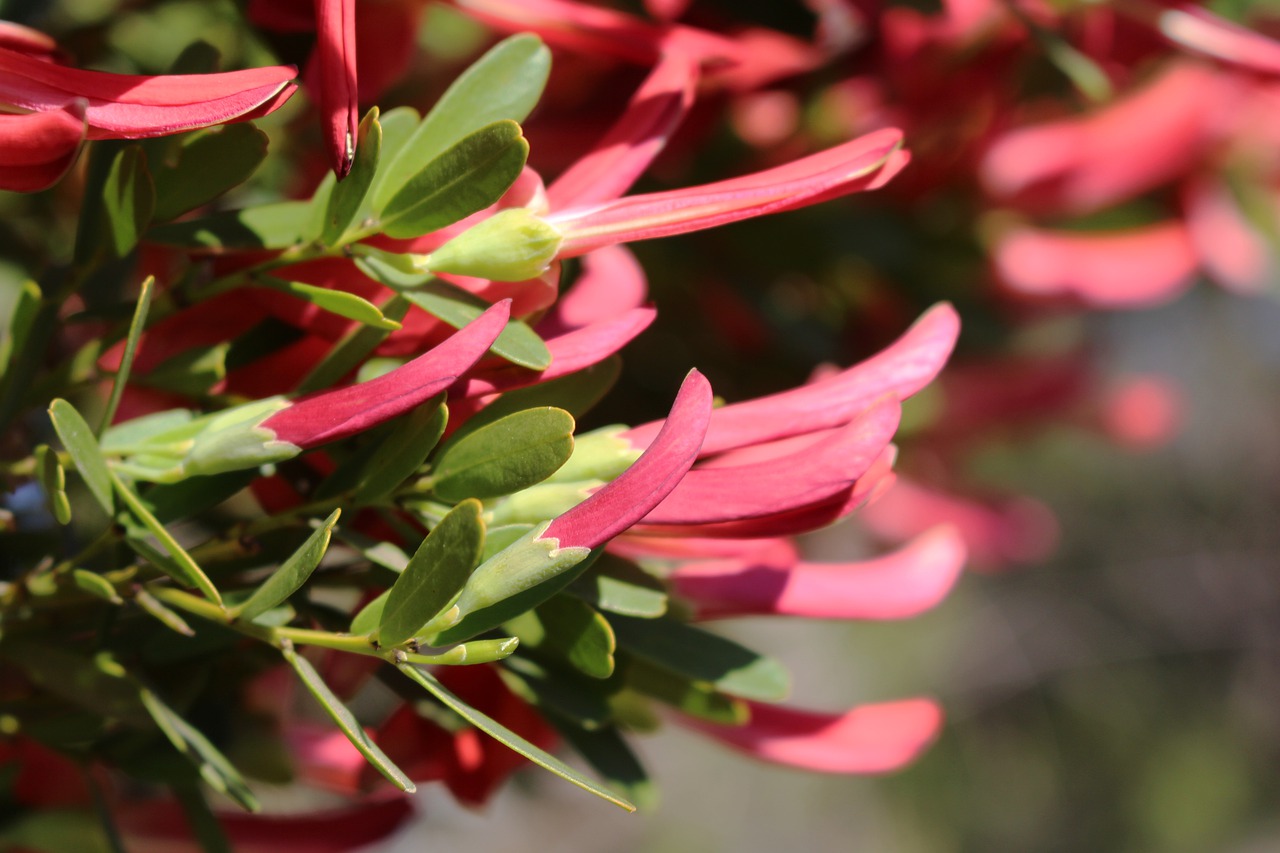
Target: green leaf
(214,767)
(397,272)
(694,698)
(138,431)
(517,343)
(370,616)
(53,480)
(347,195)
(435,575)
(570,630)
(347,721)
(468,177)
(352,349)
(609,755)
(703,657)
(290,577)
(25,307)
(402,453)
(620,586)
(78,439)
(506,456)
(268,226)
(205,165)
(79,679)
(381,553)
(515,244)
(205,827)
(155,608)
(508,738)
(129,199)
(192,372)
(505,83)
(136,326)
(95,584)
(181,568)
(192,496)
(338,302)
(559,692)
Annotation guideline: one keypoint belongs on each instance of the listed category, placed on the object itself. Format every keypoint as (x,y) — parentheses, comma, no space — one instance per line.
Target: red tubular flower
(336,62)
(128,106)
(37,149)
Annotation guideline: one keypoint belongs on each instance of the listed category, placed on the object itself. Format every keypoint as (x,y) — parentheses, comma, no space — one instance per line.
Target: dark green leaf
(269,226)
(204,825)
(509,738)
(620,586)
(173,501)
(129,199)
(609,755)
(214,767)
(703,657)
(347,721)
(517,343)
(559,692)
(694,698)
(466,178)
(403,452)
(506,456)
(290,577)
(206,165)
(568,629)
(338,302)
(347,195)
(435,575)
(78,439)
(352,349)
(505,83)
(79,679)
(136,326)
(25,307)
(192,372)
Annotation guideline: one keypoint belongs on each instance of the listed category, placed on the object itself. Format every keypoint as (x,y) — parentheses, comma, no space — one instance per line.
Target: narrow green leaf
(695,698)
(78,439)
(435,575)
(95,584)
(25,307)
(214,767)
(403,452)
(352,349)
(338,302)
(290,577)
(505,83)
(620,586)
(517,343)
(570,630)
(609,755)
(559,692)
(269,226)
(129,199)
(346,196)
(153,607)
(370,616)
(510,739)
(188,573)
(703,657)
(136,326)
(205,165)
(191,372)
(506,456)
(347,721)
(468,177)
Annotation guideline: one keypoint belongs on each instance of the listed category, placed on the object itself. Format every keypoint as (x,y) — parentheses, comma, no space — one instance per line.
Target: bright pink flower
(1143,412)
(867,739)
(1199,30)
(38,148)
(1133,268)
(773,581)
(611,283)
(1231,248)
(331,415)
(335,60)
(127,106)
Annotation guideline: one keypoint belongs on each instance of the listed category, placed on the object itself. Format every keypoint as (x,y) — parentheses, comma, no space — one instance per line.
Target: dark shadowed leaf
(204,166)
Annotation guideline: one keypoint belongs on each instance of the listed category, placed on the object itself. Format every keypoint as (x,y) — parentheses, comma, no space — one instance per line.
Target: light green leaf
(338,302)
(466,178)
(136,326)
(53,480)
(78,439)
(506,456)
(435,575)
(347,721)
(347,195)
(205,165)
(620,586)
(191,372)
(129,199)
(95,584)
(571,630)
(155,608)
(511,245)
(370,616)
(508,738)
(517,343)
(290,577)
(402,453)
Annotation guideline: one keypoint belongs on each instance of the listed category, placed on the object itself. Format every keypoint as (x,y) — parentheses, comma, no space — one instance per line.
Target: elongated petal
(810,475)
(622,503)
(1134,268)
(1230,247)
(653,113)
(860,164)
(22,39)
(335,56)
(37,149)
(133,106)
(332,415)
(611,283)
(895,586)
(867,739)
(573,26)
(901,369)
(1199,30)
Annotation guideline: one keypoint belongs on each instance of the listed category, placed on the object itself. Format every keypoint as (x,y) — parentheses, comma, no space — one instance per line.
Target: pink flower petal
(335,56)
(1203,32)
(1230,247)
(579,27)
(859,164)
(901,369)
(896,586)
(331,415)
(867,739)
(611,283)
(623,502)
(1134,268)
(809,476)
(37,149)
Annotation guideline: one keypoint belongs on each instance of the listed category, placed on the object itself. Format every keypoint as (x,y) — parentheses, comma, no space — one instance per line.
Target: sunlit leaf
(505,456)
(78,439)
(291,575)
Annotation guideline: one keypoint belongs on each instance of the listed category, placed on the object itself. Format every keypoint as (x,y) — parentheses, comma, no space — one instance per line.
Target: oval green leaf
(506,456)
(290,577)
(78,439)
